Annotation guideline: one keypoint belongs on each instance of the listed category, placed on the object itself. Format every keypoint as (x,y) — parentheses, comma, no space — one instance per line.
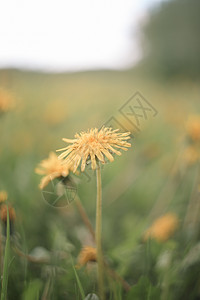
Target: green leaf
(33,290)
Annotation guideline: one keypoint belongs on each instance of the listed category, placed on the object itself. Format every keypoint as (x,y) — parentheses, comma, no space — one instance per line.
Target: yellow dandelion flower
(87,254)
(94,145)
(3,196)
(193,127)
(163,228)
(6,101)
(191,155)
(3,216)
(3,213)
(52,168)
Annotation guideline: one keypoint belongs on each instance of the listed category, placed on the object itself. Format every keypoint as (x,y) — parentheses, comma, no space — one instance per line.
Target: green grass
(52,106)
(6,261)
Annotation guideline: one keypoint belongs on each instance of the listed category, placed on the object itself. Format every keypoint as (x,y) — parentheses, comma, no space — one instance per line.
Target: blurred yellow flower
(6,101)
(193,127)
(3,213)
(191,155)
(52,168)
(3,196)
(87,254)
(162,228)
(94,145)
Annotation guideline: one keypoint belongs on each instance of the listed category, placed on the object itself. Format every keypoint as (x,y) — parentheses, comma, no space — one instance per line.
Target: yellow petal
(107,154)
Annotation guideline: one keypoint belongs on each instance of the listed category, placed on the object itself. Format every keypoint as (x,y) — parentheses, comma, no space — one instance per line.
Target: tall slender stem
(98,233)
(84,216)
(1,255)
(88,224)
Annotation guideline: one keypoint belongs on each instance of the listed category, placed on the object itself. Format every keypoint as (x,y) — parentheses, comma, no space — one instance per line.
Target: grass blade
(6,261)
(78,282)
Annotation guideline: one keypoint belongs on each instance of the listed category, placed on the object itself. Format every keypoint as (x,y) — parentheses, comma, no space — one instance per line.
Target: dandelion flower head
(52,168)
(3,196)
(193,127)
(3,213)
(94,145)
(191,155)
(87,254)
(6,101)
(162,228)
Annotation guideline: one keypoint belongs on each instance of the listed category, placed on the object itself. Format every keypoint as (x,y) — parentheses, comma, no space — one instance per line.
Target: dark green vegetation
(171,38)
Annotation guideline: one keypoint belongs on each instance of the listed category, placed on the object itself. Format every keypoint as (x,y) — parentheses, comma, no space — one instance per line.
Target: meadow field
(150,194)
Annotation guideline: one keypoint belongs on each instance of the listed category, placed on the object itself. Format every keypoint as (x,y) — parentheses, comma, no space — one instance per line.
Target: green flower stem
(1,254)
(98,234)
(6,261)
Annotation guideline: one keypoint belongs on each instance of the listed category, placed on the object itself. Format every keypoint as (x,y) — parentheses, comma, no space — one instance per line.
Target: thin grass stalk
(84,217)
(1,254)
(98,234)
(6,261)
(46,290)
(81,290)
(117,277)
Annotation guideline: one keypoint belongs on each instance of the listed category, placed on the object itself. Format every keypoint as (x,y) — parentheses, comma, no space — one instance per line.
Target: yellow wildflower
(6,101)
(193,127)
(3,213)
(52,168)
(87,254)
(191,155)
(3,216)
(95,145)
(3,196)
(162,228)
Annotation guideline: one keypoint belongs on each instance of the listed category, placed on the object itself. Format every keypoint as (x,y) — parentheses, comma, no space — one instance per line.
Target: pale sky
(71,34)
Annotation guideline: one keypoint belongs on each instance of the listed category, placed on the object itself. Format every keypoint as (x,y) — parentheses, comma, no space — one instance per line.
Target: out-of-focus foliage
(171,38)
(157,176)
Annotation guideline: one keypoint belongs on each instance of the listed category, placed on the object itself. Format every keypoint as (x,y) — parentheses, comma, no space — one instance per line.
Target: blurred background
(66,66)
